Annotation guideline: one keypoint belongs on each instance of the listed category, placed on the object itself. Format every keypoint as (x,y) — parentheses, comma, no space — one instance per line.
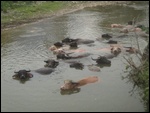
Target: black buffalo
(22,75)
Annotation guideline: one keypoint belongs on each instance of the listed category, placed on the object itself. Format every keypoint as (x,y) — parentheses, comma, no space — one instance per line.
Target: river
(26,47)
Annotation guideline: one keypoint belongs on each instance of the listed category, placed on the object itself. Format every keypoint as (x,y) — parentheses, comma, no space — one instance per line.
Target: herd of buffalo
(66,49)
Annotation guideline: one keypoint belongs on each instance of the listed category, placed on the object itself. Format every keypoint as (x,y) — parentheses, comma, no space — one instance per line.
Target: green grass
(141,79)
(25,12)
(144,78)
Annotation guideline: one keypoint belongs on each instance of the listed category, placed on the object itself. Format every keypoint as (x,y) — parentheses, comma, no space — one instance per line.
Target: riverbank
(74,6)
(40,10)
(140,76)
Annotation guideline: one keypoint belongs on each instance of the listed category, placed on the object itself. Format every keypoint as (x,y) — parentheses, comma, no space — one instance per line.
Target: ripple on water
(33,32)
(27,48)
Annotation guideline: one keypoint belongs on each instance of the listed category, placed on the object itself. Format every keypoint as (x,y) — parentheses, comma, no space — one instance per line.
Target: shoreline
(75,6)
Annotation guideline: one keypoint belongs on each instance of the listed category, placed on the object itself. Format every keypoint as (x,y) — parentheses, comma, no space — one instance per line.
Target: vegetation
(140,75)
(17,12)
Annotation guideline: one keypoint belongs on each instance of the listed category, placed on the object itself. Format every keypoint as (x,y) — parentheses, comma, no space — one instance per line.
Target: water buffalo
(77,65)
(112,42)
(25,75)
(110,56)
(131,22)
(69,84)
(48,67)
(68,40)
(69,92)
(78,41)
(58,44)
(74,56)
(73,45)
(51,63)
(124,30)
(22,75)
(66,48)
(53,47)
(102,60)
(106,36)
(84,41)
(63,56)
(115,50)
(117,26)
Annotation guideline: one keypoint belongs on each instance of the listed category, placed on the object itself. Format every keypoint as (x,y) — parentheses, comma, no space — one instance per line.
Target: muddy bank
(74,6)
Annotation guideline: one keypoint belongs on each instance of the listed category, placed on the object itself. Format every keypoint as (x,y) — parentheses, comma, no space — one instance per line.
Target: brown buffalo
(69,84)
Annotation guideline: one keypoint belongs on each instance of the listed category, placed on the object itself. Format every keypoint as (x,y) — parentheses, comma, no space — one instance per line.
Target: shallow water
(26,47)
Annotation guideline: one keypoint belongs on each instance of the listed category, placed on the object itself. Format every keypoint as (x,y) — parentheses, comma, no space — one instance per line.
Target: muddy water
(26,47)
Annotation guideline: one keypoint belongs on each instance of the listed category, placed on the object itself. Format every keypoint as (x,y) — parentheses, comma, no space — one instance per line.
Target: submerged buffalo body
(45,70)
(85,41)
(74,56)
(106,36)
(48,67)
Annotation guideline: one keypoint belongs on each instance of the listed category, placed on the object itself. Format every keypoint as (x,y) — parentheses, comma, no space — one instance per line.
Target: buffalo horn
(93,59)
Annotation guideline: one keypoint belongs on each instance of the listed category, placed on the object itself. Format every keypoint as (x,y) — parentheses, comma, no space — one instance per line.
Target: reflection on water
(26,47)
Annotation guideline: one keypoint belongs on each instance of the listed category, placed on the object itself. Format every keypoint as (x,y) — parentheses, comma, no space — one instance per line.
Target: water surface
(26,47)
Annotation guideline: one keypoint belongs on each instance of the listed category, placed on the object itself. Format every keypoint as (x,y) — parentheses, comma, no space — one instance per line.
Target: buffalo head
(115,50)
(58,44)
(58,51)
(106,36)
(73,45)
(69,84)
(51,63)
(102,60)
(68,40)
(22,74)
(77,65)
(63,56)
